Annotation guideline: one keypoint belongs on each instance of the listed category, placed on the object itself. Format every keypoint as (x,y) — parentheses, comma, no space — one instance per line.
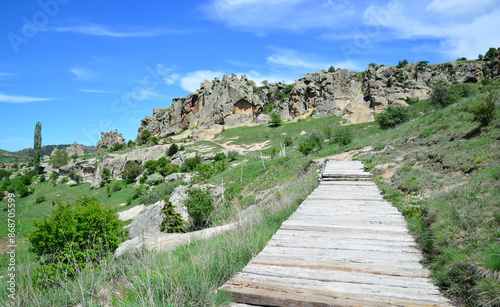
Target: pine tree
(37,145)
(172,223)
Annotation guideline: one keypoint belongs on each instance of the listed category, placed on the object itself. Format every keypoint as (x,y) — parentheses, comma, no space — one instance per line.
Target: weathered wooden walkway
(344,246)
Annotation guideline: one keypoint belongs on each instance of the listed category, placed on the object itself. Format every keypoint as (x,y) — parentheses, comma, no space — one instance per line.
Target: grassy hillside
(440,168)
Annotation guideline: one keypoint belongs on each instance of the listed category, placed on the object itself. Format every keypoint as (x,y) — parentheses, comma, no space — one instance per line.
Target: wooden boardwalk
(344,246)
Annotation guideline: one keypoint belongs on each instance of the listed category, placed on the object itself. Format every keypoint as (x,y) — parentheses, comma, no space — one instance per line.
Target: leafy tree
(151,166)
(37,146)
(276,120)
(264,82)
(485,111)
(331,69)
(190,164)
(490,55)
(402,64)
(219,156)
(288,141)
(306,147)
(480,56)
(173,149)
(132,171)
(200,206)
(106,175)
(232,155)
(42,178)
(60,159)
(154,140)
(117,146)
(71,237)
(130,143)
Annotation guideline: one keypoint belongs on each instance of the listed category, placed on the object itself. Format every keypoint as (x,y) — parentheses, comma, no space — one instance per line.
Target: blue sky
(81,67)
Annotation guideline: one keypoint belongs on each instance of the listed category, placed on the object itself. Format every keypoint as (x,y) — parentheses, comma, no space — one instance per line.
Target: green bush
(445,95)
(132,171)
(40,199)
(276,120)
(200,206)
(54,176)
(343,135)
(288,141)
(219,156)
(25,191)
(106,174)
(306,147)
(327,131)
(154,179)
(172,222)
(392,116)
(268,108)
(402,64)
(118,146)
(232,155)
(60,159)
(130,143)
(485,111)
(173,149)
(117,186)
(72,237)
(42,178)
(64,180)
(190,164)
(154,140)
(145,134)
(151,166)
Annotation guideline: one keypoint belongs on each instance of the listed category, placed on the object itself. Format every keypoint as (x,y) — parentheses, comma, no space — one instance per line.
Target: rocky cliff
(232,101)
(109,139)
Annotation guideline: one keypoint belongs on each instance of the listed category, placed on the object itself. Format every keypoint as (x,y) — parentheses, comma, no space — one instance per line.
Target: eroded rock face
(116,162)
(85,168)
(109,139)
(75,149)
(352,95)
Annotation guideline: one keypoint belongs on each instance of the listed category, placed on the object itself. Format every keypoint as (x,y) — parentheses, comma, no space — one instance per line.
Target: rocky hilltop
(235,101)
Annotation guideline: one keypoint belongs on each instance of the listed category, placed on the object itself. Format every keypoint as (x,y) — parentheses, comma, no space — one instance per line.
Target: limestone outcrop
(85,168)
(354,96)
(108,139)
(116,162)
(75,149)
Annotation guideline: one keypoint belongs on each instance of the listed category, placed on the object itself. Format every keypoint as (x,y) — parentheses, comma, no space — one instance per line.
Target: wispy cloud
(99,30)
(7,74)
(262,16)
(21,99)
(10,140)
(292,59)
(83,74)
(94,91)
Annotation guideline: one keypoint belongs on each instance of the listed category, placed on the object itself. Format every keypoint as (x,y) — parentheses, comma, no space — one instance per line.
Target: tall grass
(187,276)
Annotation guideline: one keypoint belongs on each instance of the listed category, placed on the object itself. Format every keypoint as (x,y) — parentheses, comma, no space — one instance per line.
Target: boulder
(85,168)
(262,119)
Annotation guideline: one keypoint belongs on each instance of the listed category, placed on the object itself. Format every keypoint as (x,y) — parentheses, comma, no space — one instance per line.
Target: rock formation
(85,168)
(109,139)
(75,149)
(232,101)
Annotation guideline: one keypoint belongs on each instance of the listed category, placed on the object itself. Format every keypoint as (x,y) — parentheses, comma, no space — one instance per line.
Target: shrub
(485,111)
(64,180)
(74,176)
(441,95)
(327,131)
(25,191)
(145,134)
(154,179)
(343,135)
(331,69)
(117,186)
(73,236)
(402,64)
(60,159)
(190,164)
(288,141)
(130,143)
(316,139)
(42,178)
(172,222)
(118,146)
(173,149)
(219,156)
(268,108)
(25,180)
(151,166)
(393,116)
(54,176)
(132,171)
(232,155)
(200,205)
(306,147)
(40,199)
(106,174)
(276,120)
(169,169)
(154,140)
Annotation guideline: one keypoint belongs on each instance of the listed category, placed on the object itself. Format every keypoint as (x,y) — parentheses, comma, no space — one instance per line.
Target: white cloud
(21,99)
(83,74)
(99,30)
(168,74)
(94,91)
(463,31)
(192,81)
(261,16)
(292,59)
(12,140)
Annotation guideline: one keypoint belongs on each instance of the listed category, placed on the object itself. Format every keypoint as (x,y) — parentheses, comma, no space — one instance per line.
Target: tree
(173,149)
(485,111)
(331,69)
(276,120)
(480,56)
(132,170)
(200,206)
(490,54)
(264,82)
(145,134)
(60,158)
(37,146)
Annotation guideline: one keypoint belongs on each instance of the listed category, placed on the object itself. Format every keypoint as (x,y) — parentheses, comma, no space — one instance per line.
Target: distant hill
(26,154)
